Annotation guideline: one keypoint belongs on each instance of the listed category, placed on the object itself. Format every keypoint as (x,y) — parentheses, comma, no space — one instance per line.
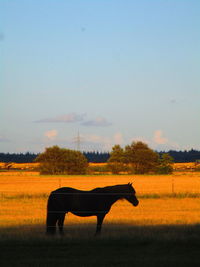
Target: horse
(96,202)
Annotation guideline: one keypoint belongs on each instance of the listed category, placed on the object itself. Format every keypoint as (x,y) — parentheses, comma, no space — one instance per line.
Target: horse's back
(59,197)
(63,190)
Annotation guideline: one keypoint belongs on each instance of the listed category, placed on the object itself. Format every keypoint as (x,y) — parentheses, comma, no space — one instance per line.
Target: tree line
(101,157)
(136,158)
(95,156)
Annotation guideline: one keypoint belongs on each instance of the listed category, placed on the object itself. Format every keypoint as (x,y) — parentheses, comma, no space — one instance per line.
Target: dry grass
(161,231)
(22,166)
(32,183)
(23,198)
(187,166)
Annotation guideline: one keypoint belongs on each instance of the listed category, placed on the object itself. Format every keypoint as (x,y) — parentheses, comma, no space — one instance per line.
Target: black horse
(96,202)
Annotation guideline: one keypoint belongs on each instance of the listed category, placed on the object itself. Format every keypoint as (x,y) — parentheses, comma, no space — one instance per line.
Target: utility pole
(77,140)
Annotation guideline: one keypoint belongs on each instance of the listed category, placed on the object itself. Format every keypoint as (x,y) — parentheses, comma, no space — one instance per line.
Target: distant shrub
(116,162)
(138,158)
(165,164)
(56,160)
(117,167)
(100,169)
(167,169)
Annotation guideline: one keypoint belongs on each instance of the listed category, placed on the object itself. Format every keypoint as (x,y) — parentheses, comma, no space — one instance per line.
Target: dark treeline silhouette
(100,157)
(97,157)
(184,156)
(18,158)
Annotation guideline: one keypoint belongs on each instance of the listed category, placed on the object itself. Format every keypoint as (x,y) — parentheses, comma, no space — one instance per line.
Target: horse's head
(130,195)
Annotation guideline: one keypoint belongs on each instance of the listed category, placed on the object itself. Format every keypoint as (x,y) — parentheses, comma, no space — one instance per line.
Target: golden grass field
(29,166)
(168,199)
(163,230)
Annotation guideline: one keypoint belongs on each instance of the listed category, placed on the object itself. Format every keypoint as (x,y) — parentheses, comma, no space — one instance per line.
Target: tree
(141,157)
(165,164)
(116,162)
(135,158)
(56,160)
(117,154)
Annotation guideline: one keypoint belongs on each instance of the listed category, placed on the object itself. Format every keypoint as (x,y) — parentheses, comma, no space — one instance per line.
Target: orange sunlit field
(30,166)
(168,214)
(167,199)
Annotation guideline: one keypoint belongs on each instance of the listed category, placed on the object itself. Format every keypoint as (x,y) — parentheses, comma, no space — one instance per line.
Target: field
(164,230)
(189,166)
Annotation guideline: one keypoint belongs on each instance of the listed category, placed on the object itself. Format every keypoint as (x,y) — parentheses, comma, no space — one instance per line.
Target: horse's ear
(129,183)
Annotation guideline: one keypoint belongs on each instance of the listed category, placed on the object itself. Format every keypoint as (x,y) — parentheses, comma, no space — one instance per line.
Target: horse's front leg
(100,218)
(61,223)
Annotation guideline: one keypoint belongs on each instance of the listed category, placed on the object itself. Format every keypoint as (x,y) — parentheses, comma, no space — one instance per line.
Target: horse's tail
(52,214)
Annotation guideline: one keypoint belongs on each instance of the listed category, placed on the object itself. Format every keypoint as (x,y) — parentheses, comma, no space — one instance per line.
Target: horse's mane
(120,188)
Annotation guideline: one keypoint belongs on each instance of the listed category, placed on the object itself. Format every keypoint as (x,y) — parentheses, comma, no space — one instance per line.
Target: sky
(105,72)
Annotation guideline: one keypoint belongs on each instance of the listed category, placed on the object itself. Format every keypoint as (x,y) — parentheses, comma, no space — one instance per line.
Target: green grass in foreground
(151,246)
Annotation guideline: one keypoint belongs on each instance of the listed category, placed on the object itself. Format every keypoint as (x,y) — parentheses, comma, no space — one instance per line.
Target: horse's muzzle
(135,203)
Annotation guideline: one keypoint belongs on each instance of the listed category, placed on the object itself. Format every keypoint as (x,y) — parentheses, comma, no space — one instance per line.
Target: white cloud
(3,139)
(96,138)
(97,122)
(51,135)
(158,138)
(173,101)
(158,141)
(66,118)
(97,142)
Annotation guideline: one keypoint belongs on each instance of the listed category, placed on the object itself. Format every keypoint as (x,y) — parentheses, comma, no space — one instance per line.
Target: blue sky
(113,70)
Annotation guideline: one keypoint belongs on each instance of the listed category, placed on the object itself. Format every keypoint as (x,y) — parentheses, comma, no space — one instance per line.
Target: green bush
(56,160)
(165,164)
(138,158)
(117,167)
(101,169)
(164,169)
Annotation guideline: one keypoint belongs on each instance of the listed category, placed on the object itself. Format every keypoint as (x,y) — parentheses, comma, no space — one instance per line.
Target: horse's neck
(113,194)
(115,197)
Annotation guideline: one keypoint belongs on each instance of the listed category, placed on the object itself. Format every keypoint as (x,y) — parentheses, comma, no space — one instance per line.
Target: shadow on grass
(119,245)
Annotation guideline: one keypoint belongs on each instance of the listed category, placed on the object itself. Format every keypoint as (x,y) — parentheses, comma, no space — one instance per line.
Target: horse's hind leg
(51,223)
(61,222)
